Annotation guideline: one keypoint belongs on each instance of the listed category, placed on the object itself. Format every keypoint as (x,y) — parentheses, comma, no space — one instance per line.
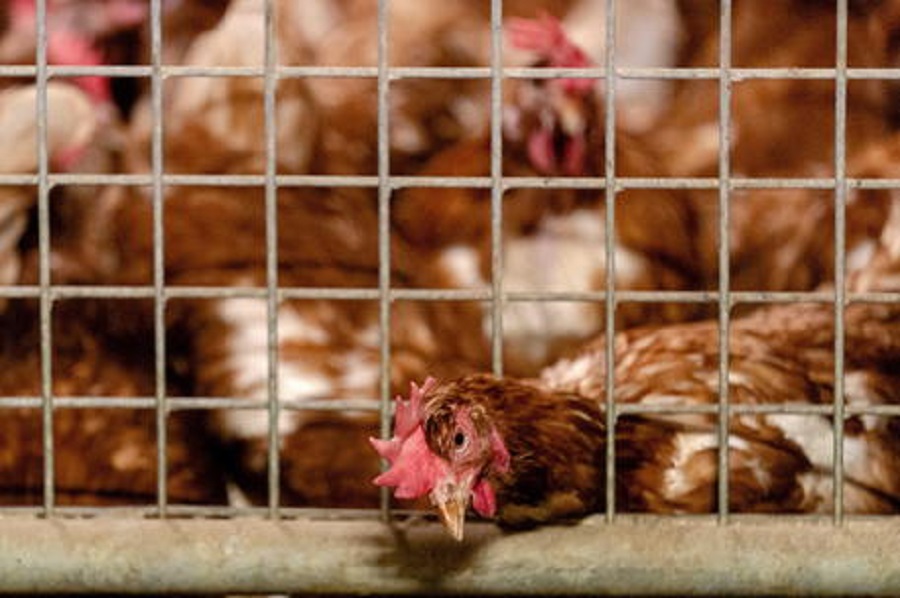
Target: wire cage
(167,547)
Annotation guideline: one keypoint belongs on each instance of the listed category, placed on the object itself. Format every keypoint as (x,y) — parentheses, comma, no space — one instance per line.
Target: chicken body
(777,462)
(780,239)
(71,127)
(103,455)
(666,462)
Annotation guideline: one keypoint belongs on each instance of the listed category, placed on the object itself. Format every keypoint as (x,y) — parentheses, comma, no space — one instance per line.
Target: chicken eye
(459,440)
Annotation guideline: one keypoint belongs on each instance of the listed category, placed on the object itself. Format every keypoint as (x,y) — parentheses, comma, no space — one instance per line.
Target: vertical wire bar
(610,172)
(46,302)
(384,230)
(271,207)
(724,261)
(159,302)
(497,298)
(840,207)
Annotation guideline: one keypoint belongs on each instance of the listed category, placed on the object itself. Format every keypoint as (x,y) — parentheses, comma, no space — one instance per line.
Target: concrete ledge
(663,556)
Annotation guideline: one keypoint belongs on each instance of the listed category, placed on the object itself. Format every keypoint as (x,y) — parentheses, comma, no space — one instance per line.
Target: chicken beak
(453,516)
(570,112)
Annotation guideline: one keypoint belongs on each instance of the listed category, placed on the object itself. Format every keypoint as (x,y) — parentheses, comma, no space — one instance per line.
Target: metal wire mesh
(386,183)
(274,293)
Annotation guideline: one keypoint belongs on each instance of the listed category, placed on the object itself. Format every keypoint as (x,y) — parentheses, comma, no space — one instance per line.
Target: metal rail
(676,556)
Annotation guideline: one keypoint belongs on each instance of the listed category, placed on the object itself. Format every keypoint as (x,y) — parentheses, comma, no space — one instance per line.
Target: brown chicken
(425,115)
(227,113)
(553,240)
(532,451)
(103,456)
(779,239)
(780,127)
(71,127)
(430,114)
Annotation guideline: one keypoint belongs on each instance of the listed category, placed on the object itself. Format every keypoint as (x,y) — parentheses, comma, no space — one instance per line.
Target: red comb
(546,37)
(407,415)
(66,47)
(413,467)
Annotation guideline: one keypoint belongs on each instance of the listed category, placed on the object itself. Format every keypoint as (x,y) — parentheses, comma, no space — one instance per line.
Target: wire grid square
(386,184)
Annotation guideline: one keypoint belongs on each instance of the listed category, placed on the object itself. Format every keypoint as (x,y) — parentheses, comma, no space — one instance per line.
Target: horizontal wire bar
(373,405)
(404,182)
(475,72)
(58,293)
(189,511)
(714,408)
(756,409)
(190,403)
(194,511)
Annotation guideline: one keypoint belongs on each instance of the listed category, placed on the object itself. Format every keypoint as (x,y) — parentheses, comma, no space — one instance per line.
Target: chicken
(76,34)
(783,239)
(425,114)
(71,126)
(227,113)
(103,456)
(780,127)
(552,128)
(873,215)
(780,239)
(327,349)
(97,348)
(533,451)
(506,447)
(529,452)
(648,34)
(182,22)
(429,115)
(74,31)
